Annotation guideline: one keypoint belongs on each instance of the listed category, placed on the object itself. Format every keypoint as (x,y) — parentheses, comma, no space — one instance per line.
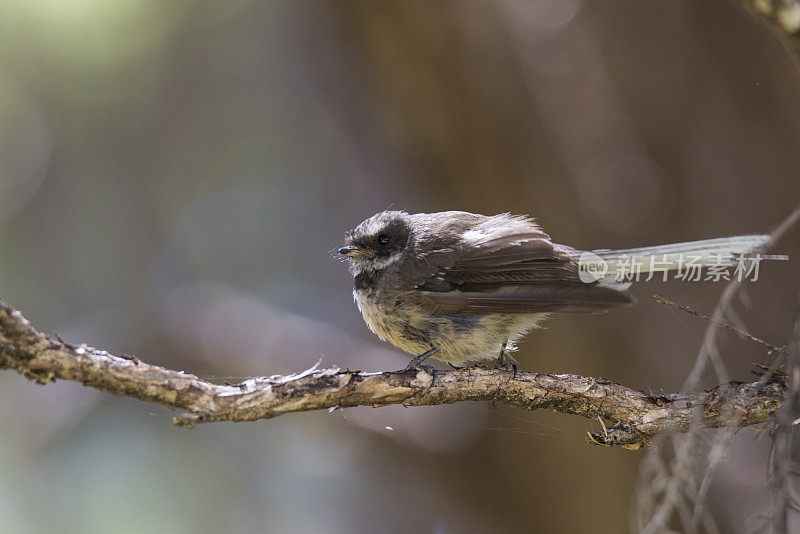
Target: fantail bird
(463,287)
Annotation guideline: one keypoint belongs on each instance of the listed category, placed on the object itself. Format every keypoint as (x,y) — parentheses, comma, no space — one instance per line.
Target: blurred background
(175,175)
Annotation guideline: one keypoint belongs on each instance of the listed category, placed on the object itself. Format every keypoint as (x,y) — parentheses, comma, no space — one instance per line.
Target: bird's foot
(509,366)
(500,362)
(416,364)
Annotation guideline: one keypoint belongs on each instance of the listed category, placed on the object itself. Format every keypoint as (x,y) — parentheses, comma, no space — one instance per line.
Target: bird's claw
(500,362)
(416,364)
(431,370)
(509,366)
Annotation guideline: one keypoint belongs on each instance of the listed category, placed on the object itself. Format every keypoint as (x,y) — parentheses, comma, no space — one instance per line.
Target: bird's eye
(383,239)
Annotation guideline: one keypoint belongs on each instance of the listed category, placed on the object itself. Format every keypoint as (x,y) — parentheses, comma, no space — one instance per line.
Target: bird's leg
(416,363)
(417,360)
(502,356)
(500,362)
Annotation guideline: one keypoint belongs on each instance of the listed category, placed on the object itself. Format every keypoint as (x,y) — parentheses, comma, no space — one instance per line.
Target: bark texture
(629,418)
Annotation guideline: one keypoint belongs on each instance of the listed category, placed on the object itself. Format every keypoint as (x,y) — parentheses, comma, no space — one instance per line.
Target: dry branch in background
(679,485)
(634,416)
(781,447)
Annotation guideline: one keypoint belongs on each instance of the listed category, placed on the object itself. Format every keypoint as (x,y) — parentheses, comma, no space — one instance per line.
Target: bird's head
(378,242)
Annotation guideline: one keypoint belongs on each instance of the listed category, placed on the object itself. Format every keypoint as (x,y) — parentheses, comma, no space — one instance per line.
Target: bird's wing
(518,273)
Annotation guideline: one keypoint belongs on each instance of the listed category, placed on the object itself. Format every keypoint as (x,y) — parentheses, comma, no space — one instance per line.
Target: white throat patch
(378,264)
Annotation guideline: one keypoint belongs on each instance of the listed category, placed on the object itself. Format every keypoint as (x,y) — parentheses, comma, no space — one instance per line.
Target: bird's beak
(349,250)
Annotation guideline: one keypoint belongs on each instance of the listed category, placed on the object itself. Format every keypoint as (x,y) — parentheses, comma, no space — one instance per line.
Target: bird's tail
(608,265)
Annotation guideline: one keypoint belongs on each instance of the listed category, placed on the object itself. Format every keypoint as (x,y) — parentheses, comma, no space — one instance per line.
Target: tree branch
(634,416)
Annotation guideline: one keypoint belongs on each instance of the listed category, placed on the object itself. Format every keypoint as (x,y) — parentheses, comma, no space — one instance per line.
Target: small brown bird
(463,287)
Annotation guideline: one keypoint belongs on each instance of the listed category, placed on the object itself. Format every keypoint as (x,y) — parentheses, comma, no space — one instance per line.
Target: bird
(464,288)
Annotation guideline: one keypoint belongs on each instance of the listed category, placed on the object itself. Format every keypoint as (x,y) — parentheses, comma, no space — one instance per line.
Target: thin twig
(723,324)
(781,449)
(656,514)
